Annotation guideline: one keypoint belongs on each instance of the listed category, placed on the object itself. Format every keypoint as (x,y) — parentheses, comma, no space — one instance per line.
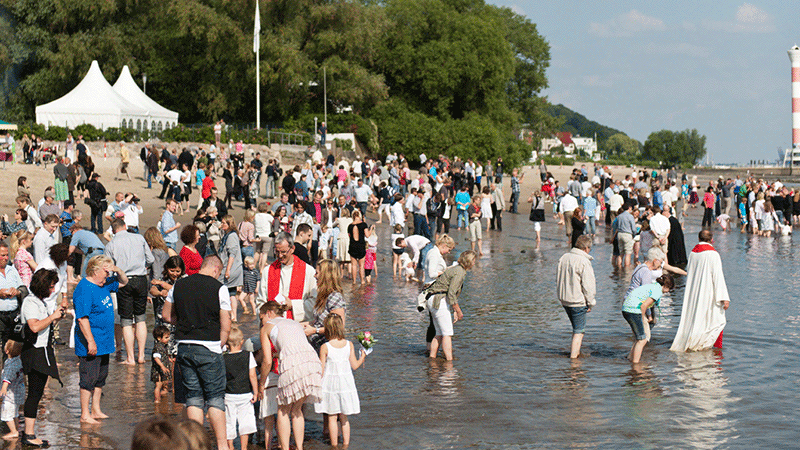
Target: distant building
(573,145)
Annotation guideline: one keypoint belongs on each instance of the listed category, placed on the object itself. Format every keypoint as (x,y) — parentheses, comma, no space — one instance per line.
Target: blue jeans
(421,226)
(362,206)
(248,251)
(149,179)
(637,326)
(577,317)
(514,202)
(424,254)
(463,217)
(592,225)
(203,374)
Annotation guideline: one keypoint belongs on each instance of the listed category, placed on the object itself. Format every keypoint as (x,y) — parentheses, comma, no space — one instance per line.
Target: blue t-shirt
(66,224)
(95,302)
(633,302)
(84,240)
(462,200)
(590,206)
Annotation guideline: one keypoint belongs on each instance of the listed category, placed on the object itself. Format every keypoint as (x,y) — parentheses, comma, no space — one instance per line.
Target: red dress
(191,259)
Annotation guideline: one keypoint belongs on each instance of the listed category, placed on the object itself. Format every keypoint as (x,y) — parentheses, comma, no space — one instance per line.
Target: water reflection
(708,397)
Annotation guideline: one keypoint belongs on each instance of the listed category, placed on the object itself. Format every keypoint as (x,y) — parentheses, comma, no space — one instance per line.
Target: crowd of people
(284,260)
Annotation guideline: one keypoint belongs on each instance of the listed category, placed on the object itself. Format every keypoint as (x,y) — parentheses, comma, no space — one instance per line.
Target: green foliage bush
(55,134)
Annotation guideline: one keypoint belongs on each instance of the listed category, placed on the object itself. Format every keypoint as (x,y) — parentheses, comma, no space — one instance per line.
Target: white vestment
(702,316)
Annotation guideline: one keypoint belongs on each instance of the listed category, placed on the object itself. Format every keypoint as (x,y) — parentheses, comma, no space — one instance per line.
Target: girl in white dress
(338,397)
(486,206)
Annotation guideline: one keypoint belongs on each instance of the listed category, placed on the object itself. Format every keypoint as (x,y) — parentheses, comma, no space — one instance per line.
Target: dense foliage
(675,148)
(577,124)
(422,76)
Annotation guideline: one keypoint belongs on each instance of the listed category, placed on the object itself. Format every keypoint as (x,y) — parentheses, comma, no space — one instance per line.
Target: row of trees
(432,76)
(666,148)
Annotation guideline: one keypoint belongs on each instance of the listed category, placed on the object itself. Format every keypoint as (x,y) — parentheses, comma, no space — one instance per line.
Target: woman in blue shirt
(634,310)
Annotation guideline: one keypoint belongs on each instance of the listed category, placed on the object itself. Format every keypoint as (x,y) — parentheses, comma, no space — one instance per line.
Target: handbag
(537,215)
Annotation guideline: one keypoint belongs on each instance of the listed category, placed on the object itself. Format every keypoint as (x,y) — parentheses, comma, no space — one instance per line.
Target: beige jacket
(499,201)
(575,283)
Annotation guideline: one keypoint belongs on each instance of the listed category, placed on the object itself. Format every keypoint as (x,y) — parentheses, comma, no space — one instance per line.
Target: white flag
(257,31)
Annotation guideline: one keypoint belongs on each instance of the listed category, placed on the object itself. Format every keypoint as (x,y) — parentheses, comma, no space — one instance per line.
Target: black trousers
(36,384)
(708,217)
(497,218)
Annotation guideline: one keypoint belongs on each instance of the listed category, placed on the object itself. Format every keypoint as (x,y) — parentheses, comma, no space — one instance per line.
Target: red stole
(703,247)
(318,212)
(296,284)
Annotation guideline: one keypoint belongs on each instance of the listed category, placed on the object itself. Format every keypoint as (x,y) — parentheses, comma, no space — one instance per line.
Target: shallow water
(512,384)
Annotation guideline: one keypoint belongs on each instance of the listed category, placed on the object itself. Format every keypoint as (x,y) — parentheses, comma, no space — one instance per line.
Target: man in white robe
(705,300)
(296,285)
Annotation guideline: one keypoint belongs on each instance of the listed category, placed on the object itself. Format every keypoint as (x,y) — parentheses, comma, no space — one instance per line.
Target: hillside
(576,123)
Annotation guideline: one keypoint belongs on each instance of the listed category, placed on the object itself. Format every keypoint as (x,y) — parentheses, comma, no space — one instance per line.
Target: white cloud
(517,9)
(627,25)
(749,19)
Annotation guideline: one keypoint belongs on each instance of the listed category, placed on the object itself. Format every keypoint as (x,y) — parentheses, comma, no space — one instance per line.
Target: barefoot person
(705,301)
(442,302)
(576,288)
(94,335)
(200,308)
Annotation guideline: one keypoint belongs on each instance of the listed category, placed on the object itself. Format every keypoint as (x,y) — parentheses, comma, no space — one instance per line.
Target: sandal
(26,441)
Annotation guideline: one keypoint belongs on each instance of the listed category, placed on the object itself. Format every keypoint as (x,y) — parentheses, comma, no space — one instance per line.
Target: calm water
(512,384)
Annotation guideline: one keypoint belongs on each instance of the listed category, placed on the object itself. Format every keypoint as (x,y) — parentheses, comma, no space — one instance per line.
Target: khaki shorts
(568,222)
(475,232)
(625,243)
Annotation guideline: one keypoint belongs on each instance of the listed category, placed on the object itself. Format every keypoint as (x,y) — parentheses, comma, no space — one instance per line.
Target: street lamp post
(144,83)
(325,93)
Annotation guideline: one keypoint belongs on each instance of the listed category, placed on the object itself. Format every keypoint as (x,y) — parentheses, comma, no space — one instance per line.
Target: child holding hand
(161,371)
(241,389)
(338,396)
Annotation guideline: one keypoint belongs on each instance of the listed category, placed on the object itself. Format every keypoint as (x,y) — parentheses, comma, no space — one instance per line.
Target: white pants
(384,207)
(239,409)
(442,317)
(10,408)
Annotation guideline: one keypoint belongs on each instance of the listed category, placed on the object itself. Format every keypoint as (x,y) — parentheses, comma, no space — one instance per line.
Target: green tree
(620,145)
(675,148)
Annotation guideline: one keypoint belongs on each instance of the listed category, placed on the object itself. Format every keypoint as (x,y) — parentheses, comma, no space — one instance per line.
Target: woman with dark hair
(9,228)
(38,357)
(22,187)
(174,269)
(190,235)
(57,261)
(578,225)
(709,199)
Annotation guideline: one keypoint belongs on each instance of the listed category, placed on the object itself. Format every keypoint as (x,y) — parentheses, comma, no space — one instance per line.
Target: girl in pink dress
(21,241)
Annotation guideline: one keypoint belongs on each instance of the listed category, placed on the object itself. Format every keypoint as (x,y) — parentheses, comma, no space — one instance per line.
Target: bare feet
(11,435)
(141,360)
(99,415)
(129,362)
(89,421)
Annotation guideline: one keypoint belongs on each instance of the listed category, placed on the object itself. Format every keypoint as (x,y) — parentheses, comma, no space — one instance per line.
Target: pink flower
(367,335)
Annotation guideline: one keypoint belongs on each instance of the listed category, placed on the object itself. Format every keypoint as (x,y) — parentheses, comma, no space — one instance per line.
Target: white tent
(93,101)
(158,117)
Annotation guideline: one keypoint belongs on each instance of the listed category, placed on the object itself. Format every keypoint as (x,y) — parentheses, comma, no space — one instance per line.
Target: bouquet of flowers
(366,340)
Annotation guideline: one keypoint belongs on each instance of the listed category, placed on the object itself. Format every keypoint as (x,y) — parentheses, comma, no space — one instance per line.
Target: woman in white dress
(343,242)
(486,206)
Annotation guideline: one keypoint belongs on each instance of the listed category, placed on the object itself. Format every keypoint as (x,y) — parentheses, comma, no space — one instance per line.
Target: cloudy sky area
(720,67)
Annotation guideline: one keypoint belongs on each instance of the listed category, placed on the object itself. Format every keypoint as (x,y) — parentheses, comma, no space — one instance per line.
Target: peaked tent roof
(93,101)
(129,90)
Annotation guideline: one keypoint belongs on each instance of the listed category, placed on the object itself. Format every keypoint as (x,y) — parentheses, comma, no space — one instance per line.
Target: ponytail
(275,307)
(666,280)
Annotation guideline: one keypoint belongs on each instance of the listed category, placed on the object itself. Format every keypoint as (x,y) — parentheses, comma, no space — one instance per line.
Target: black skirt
(40,359)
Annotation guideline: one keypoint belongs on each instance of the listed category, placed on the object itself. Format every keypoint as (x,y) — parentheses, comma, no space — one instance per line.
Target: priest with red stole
(288,280)
(705,300)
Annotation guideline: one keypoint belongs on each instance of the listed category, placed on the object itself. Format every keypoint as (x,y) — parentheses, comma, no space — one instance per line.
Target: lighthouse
(794,57)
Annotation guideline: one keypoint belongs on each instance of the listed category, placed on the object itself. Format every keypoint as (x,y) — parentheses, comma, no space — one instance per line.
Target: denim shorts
(248,251)
(577,316)
(637,326)
(203,374)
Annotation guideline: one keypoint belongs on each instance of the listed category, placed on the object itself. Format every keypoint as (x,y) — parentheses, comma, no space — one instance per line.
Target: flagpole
(258,93)
(256,49)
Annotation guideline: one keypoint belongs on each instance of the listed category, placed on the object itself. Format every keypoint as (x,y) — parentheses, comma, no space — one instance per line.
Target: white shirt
(397,215)
(263,224)
(568,203)
(362,193)
(132,212)
(33,222)
(416,243)
(659,224)
(224,305)
(61,284)
(42,242)
(175,175)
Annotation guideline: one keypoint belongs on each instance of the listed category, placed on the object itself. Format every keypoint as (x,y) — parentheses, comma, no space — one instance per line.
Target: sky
(718,66)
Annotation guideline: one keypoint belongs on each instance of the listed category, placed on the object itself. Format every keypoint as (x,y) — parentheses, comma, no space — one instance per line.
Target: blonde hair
(329,280)
(447,241)
(249,215)
(230,221)
(96,263)
(467,259)
(16,241)
(249,260)
(235,337)
(154,239)
(334,327)
(344,212)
